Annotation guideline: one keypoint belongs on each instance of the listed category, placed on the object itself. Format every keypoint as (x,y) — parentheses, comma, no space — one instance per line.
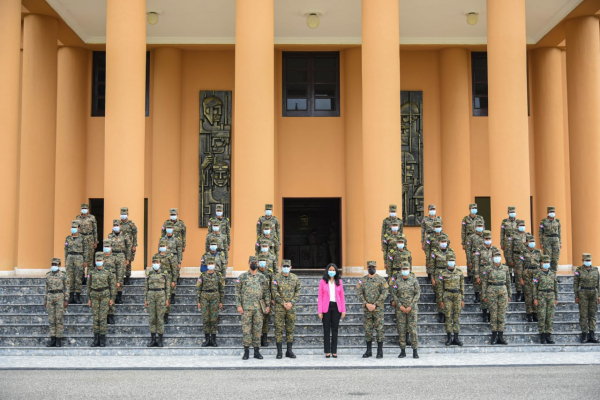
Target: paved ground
(430,383)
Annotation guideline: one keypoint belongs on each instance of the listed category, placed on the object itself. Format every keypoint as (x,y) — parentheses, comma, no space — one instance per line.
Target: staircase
(24,328)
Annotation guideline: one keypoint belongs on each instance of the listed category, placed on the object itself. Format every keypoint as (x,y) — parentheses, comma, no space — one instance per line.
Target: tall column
(124,138)
(507,122)
(38,142)
(71,124)
(166,136)
(548,117)
(382,174)
(10,66)
(254,145)
(455,112)
(583,91)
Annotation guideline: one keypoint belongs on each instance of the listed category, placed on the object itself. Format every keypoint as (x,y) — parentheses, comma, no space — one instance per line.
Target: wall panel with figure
(411,114)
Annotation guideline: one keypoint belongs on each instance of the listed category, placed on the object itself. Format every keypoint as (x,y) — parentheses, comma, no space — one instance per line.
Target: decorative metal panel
(411,116)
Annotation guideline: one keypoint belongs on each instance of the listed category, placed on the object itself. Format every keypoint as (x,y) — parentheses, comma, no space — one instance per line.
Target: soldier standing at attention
(397,256)
(178,229)
(250,289)
(431,244)
(129,228)
(528,265)
(110,266)
(452,284)
(468,228)
(482,259)
(210,295)
(439,259)
(175,251)
(213,250)
(285,290)
(427,225)
(497,292)
(389,241)
(225,227)
(102,287)
(274,223)
(372,291)
(75,250)
(405,293)
(265,268)
(545,298)
(386,227)
(168,264)
(156,300)
(474,241)
(56,299)
(221,240)
(507,231)
(88,228)
(586,284)
(272,246)
(118,268)
(551,237)
(121,247)
(517,244)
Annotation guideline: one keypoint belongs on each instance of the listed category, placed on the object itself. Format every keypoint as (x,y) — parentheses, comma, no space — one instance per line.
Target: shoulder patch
(576,273)
(541,225)
(464,223)
(535,280)
(274,282)
(485,272)
(237,280)
(360,281)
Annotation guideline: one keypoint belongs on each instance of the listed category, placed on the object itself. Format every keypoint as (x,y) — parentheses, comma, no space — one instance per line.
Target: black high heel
(334,355)
(327,355)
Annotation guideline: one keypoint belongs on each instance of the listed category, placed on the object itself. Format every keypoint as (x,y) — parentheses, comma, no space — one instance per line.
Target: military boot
(246,353)
(102,340)
(402,353)
(518,297)
(110,319)
(213,340)
(279,350)
(456,340)
(522,299)
(289,353)
(206,342)
(489,315)
(584,337)
(77,298)
(58,342)
(542,338)
(484,315)
(257,353)
(166,318)
(159,341)
(96,341)
(263,340)
(152,342)
(441,317)
(529,318)
(549,339)
(72,298)
(127,281)
(535,317)
(369,352)
(119,299)
(172,298)
(477,299)
(379,350)
(52,342)
(494,338)
(415,354)
(592,337)
(408,341)
(449,339)
(84,280)
(501,338)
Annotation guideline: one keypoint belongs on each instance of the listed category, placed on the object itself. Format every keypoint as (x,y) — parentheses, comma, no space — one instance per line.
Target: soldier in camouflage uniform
(251,288)
(528,264)
(273,242)
(109,265)
(517,244)
(285,290)
(266,268)
(174,250)
(56,299)
(427,226)
(508,229)
(75,250)
(431,244)
(482,259)
(468,228)
(88,229)
(221,240)
(497,291)
(372,291)
(474,241)
(168,264)
(210,295)
(389,242)
(156,300)
(121,244)
(452,285)
(397,256)
(129,228)
(586,284)
(179,231)
(405,293)
(551,237)
(275,226)
(213,250)
(387,227)
(439,262)
(545,298)
(119,268)
(102,289)
(225,226)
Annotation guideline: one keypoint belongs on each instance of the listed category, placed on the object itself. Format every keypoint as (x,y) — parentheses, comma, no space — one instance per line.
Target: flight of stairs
(24,323)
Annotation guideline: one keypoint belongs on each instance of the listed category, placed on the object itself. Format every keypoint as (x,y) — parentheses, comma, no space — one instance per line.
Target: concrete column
(166,137)
(254,143)
(72,107)
(548,117)
(454,114)
(382,175)
(507,121)
(125,113)
(10,69)
(38,142)
(583,91)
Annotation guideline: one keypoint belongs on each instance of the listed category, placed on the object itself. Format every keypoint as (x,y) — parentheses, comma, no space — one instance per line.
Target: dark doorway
(97,210)
(312,232)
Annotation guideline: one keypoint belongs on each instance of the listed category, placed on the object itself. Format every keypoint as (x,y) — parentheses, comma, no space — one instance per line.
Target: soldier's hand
(268,310)
(598,300)
(478,281)
(502,247)
(555,302)
(127,262)
(118,285)
(220,306)
(522,282)
(576,301)
(272,302)
(199,306)
(179,266)
(167,303)
(485,300)
(464,247)
(407,309)
(240,310)
(65,304)
(320,315)
(393,303)
(110,302)
(89,303)
(84,265)
(183,249)
(462,304)
(541,246)
(145,304)
(228,248)
(95,244)
(172,284)
(508,299)
(441,304)
(535,303)
(44,304)
(343,315)
(134,249)
(432,281)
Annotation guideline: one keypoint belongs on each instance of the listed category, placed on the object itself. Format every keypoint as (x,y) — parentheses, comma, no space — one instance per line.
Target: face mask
(437,230)
(431,212)
(162,249)
(531,245)
(395,228)
(253,267)
(393,215)
(443,245)
(487,242)
(74,230)
(116,228)
(479,229)
(545,265)
(219,213)
(84,210)
(106,249)
(264,249)
(156,266)
(285,270)
(371,271)
(473,211)
(262,264)
(400,246)
(512,215)
(169,230)
(451,263)
(405,272)
(123,217)
(99,263)
(173,217)
(54,268)
(331,273)
(267,232)
(497,260)
(268,213)
(215,229)
(213,247)
(551,215)
(211,267)
(587,263)
(521,229)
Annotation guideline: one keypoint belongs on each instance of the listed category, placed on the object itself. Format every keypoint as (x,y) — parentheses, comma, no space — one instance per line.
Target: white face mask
(400,245)
(173,217)
(268,213)
(443,245)
(162,249)
(213,247)
(262,264)
(487,242)
(264,249)
(267,232)
(215,228)
(84,210)
(107,249)
(546,265)
(156,266)
(210,267)
(479,229)
(54,268)
(432,212)
(395,228)
(437,230)
(99,263)
(285,270)
(169,230)
(521,229)
(497,260)
(123,217)
(552,214)
(219,213)
(393,214)
(116,228)
(473,211)
(512,215)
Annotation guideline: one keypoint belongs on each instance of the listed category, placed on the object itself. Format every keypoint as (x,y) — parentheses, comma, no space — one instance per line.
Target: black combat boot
(110,319)
(152,342)
(263,340)
(206,342)
(449,339)
(529,318)
(166,318)
(489,315)
(246,353)
(369,352)
(77,298)
(408,341)
(84,280)
(96,341)
(102,340)
(501,338)
(441,317)
(484,315)
(518,297)
(512,278)
(535,317)
(494,338)
(477,299)
(127,280)
(172,298)
(415,354)
(379,350)
(58,342)
(72,298)
(429,277)
(289,353)
(402,353)
(159,340)
(119,299)
(584,337)
(522,299)
(542,338)
(456,340)
(549,339)
(257,353)
(52,342)
(592,337)
(279,350)
(213,340)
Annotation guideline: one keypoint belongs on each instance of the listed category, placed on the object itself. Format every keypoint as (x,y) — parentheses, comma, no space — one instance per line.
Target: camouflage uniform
(175,251)
(271,242)
(75,249)
(386,229)
(225,228)
(396,258)
(528,265)
(468,225)
(210,293)
(427,226)
(250,289)
(497,291)
(268,272)
(219,260)
(475,241)
(482,259)
(121,244)
(432,243)
(551,238)
(55,297)
(221,241)
(275,226)
(452,284)
(372,290)
(285,289)
(168,265)
(517,244)
(156,294)
(508,229)
(545,291)
(118,267)
(406,292)
(389,244)
(129,228)
(585,285)
(88,228)
(439,264)
(179,229)
(102,289)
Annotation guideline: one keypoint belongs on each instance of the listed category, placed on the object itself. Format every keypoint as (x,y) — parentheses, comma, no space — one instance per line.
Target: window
(479,73)
(99,84)
(311,84)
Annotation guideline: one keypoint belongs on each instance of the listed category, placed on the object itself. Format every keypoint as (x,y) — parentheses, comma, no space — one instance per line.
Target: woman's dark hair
(337,274)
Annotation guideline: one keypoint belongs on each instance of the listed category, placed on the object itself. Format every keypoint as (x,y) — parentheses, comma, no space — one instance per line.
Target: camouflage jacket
(550,227)
(179,231)
(474,242)
(269,274)
(438,258)
(389,241)
(56,281)
(88,226)
(453,280)
(517,244)
(160,279)
(174,247)
(507,229)
(118,267)
(427,226)
(468,227)
(130,229)
(529,259)
(543,281)
(221,241)
(168,264)
(285,288)
(76,244)
(210,282)
(121,243)
(395,259)
(220,265)
(585,278)
(482,258)
(405,292)
(275,227)
(273,247)
(225,227)
(496,274)
(250,289)
(386,226)
(372,290)
(103,279)
(431,244)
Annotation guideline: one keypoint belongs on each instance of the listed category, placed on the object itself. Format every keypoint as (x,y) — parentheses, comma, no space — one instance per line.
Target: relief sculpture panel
(411,115)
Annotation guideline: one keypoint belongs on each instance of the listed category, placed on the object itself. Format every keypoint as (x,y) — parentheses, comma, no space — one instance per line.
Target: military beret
(512,209)
(74,224)
(393,207)
(116,222)
(496,252)
(437,223)
(431,207)
(487,234)
(124,210)
(286,262)
(450,256)
(213,240)
(56,260)
(521,223)
(168,224)
(268,206)
(172,211)
(99,255)
(263,256)
(551,209)
(156,258)
(252,259)
(371,264)
(85,205)
(587,257)
(472,205)
(530,238)
(219,207)
(266,225)
(107,243)
(209,259)
(546,258)
(395,222)
(405,265)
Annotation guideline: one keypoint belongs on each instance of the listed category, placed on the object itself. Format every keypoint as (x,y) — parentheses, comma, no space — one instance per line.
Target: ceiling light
(472,18)
(152,18)
(312,21)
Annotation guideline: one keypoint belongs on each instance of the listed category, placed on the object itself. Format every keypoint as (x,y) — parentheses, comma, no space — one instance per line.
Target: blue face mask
(285,270)
(497,260)
(521,229)
(393,214)
(437,230)
(395,228)
(531,245)
(264,249)
(331,273)
(219,213)
(405,272)
(587,263)
(173,217)
(512,215)
(262,264)
(432,212)
(545,265)
(106,249)
(74,230)
(268,213)
(400,246)
(551,215)
(473,211)
(267,232)
(213,247)
(479,229)
(99,263)
(443,245)
(116,228)
(451,263)
(215,228)
(54,268)
(84,211)
(211,267)
(162,249)
(156,266)
(169,230)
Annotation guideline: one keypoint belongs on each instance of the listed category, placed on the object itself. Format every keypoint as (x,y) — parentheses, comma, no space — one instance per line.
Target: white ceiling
(213,21)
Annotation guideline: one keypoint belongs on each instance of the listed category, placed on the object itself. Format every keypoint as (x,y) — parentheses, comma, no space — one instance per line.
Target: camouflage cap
(99,256)
(437,223)
(74,224)
(431,207)
(268,206)
(393,207)
(116,222)
(107,243)
(124,210)
(487,234)
(443,238)
(401,239)
(551,209)
(479,223)
(546,258)
(287,263)
(266,225)
(395,223)
(450,256)
(521,223)
(496,252)
(209,259)
(472,205)
(371,264)
(263,256)
(213,240)
(163,242)
(405,265)
(56,260)
(172,211)
(530,238)
(587,257)
(156,258)
(85,205)
(168,224)
(512,209)
(252,259)
(264,242)
(219,207)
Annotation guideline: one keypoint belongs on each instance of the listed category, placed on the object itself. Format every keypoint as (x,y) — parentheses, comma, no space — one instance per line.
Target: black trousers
(331,322)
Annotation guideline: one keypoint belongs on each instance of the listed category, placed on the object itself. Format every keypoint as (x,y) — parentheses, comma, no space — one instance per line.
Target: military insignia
(468,243)
(509,239)
(477,253)
(441,278)
(360,281)
(576,273)
(395,286)
(163,228)
(199,280)
(432,255)
(66,243)
(393,279)
(522,258)
(391,258)
(275,282)
(428,242)
(88,276)
(535,280)
(464,223)
(384,241)
(202,260)
(484,272)
(257,244)
(237,281)
(541,225)
(258,222)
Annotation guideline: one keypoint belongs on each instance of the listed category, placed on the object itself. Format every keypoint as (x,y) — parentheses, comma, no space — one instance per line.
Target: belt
(496,284)
(553,235)
(56,291)
(156,290)
(546,290)
(75,253)
(532,268)
(209,291)
(85,234)
(100,290)
(117,252)
(453,290)
(516,252)
(587,287)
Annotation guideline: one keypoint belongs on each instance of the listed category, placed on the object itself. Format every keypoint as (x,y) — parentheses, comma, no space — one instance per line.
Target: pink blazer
(324,297)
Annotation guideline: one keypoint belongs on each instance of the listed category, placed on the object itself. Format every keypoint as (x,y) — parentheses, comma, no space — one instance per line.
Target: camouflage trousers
(120,279)
(156,310)
(588,307)
(518,277)
(546,307)
(74,266)
(266,318)
(407,323)
(552,248)
(528,289)
(210,311)
(373,320)
(56,311)
(251,327)
(470,272)
(452,310)
(89,257)
(497,299)
(439,294)
(477,288)
(287,318)
(100,302)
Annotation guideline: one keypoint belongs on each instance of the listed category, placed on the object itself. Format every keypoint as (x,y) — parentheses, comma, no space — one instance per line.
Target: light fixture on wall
(472,18)
(152,18)
(312,20)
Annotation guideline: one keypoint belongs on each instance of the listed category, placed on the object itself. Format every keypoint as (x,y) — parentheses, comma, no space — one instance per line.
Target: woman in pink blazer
(332,307)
